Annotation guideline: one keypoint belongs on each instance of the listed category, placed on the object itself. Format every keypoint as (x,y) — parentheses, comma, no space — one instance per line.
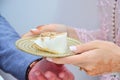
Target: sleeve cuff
(24,67)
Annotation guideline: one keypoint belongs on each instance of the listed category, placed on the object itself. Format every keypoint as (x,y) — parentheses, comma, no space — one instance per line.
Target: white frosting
(56,44)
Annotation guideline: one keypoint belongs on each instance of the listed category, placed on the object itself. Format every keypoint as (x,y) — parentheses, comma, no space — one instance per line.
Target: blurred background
(24,15)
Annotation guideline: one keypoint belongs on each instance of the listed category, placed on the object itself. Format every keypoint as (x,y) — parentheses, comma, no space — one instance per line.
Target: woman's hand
(53,28)
(96,57)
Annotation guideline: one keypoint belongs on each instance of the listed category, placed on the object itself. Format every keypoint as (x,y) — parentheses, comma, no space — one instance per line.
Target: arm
(12,60)
(17,63)
(79,34)
(86,36)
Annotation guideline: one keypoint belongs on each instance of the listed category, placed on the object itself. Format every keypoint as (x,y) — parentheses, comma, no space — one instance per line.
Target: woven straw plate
(27,45)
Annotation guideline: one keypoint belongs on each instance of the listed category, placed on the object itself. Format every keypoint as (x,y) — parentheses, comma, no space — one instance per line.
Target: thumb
(86,47)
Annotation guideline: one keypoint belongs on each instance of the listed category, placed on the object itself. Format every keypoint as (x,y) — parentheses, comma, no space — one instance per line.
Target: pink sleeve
(86,36)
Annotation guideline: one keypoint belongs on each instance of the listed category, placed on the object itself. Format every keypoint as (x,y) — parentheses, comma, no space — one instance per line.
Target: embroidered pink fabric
(105,32)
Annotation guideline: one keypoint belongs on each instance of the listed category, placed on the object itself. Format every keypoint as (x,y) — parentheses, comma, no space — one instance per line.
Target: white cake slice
(52,42)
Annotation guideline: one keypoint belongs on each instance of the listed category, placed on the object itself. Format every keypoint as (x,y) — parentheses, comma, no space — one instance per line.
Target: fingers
(32,32)
(87,46)
(67,60)
(46,28)
(40,76)
(53,28)
(51,76)
(43,28)
(40,27)
(88,50)
(35,31)
(36,76)
(27,34)
(63,76)
(78,59)
(66,76)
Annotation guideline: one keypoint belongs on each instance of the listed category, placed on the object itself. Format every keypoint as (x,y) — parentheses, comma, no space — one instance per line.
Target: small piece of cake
(52,42)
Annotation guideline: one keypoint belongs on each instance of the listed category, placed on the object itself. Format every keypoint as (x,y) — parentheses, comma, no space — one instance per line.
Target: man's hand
(45,70)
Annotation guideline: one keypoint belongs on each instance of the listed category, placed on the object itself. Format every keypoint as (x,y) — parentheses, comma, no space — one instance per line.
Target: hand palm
(45,70)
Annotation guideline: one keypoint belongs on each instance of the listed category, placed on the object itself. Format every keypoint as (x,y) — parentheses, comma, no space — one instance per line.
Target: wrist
(72,33)
(30,67)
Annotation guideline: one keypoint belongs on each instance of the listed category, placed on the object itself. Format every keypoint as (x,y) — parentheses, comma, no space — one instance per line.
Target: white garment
(1,78)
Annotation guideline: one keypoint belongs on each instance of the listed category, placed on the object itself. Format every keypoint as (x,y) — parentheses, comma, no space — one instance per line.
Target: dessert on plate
(52,42)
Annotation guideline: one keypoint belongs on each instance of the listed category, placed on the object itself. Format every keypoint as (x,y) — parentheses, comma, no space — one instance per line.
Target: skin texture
(46,70)
(53,28)
(95,57)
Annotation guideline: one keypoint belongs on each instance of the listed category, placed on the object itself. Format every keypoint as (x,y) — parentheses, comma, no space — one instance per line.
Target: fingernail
(49,59)
(73,48)
(62,75)
(33,29)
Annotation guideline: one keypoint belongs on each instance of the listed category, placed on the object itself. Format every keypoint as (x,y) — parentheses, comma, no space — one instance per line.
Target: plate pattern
(27,45)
